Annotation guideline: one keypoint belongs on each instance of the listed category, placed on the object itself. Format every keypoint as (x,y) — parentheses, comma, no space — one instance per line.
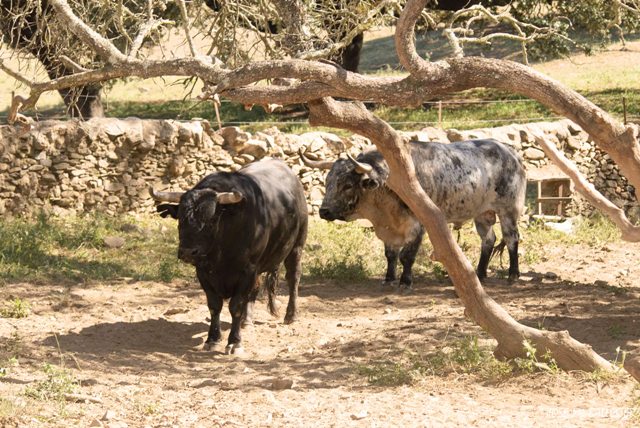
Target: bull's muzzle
(327,214)
(188,255)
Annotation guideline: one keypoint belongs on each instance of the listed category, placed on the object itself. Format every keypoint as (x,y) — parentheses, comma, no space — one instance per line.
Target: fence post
(440,114)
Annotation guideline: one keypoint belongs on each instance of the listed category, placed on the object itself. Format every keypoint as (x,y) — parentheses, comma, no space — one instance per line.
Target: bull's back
(284,207)
(467,178)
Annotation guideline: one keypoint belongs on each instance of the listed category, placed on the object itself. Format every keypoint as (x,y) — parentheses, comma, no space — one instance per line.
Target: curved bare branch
(405,40)
(629,232)
(103,47)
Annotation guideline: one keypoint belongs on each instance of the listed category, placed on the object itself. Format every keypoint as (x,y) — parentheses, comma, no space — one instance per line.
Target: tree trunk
(83,102)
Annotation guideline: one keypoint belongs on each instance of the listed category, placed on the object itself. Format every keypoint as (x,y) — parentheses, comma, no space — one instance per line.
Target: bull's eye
(347,187)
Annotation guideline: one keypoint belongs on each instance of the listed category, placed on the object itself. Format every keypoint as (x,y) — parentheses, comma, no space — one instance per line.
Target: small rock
(204,383)
(281,384)
(256,148)
(96,423)
(534,154)
(174,311)
(131,228)
(108,415)
(387,311)
(360,415)
(113,187)
(454,135)
(113,241)
(88,382)
(551,275)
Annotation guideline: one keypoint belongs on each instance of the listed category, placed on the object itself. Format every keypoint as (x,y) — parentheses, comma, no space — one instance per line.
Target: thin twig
(185,26)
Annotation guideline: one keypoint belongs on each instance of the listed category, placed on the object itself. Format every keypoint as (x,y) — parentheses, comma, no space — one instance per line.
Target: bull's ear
(368,183)
(166,210)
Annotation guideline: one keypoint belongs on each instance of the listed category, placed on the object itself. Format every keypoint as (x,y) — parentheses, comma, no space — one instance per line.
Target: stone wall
(108,164)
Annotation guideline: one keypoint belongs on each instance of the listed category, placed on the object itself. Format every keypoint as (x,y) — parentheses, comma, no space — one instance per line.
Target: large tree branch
(568,353)
(461,73)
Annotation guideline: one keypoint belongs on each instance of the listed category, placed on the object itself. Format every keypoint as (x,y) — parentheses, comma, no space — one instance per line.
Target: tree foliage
(238,32)
(586,24)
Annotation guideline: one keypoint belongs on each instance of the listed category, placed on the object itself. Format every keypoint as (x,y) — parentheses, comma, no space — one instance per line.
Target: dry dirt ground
(135,347)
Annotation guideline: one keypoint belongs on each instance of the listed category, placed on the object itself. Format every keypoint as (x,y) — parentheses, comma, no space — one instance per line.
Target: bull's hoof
(290,319)
(405,289)
(388,285)
(234,349)
(210,346)
(513,278)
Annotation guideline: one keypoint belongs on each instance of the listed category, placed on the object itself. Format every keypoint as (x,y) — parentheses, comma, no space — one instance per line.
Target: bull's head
(198,213)
(347,181)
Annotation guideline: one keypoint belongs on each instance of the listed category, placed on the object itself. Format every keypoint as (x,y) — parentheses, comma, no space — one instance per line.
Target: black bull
(474,179)
(235,226)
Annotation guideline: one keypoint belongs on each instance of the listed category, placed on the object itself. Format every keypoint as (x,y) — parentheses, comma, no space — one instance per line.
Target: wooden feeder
(553,190)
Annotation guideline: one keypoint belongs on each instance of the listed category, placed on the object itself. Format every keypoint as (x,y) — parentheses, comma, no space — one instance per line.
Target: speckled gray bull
(475,179)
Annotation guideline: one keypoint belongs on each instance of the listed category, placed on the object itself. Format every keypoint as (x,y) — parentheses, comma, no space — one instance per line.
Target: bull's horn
(361,168)
(225,198)
(326,164)
(165,196)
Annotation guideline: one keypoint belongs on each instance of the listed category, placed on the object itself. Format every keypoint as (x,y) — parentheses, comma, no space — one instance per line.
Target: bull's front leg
(484,226)
(408,258)
(214,302)
(237,307)
(391,254)
(511,236)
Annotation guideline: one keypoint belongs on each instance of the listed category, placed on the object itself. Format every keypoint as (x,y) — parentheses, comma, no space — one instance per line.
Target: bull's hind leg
(484,227)
(293,265)
(408,258)
(247,313)
(237,306)
(511,236)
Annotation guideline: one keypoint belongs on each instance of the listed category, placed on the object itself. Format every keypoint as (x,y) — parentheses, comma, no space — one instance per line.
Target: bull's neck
(380,207)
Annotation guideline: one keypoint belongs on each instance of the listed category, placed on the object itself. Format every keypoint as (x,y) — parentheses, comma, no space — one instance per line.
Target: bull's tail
(498,249)
(271,283)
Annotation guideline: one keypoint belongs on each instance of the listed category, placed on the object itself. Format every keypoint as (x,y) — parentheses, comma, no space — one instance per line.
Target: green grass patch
(15,308)
(10,350)
(342,251)
(8,413)
(72,249)
(594,231)
(58,382)
(464,355)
